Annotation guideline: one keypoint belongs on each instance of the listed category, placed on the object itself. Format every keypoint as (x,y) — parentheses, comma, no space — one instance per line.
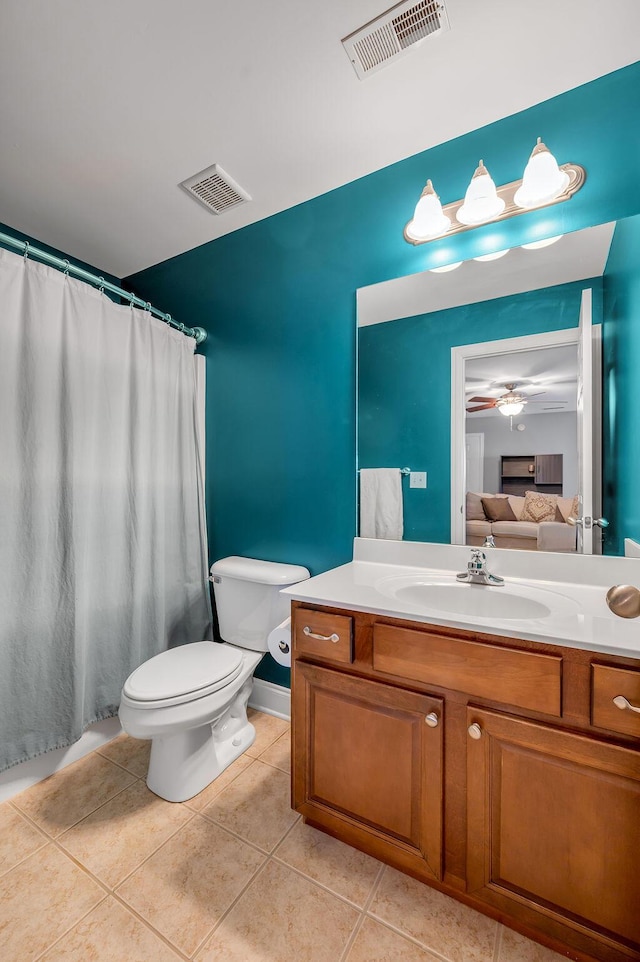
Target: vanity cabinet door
(367,765)
(554,828)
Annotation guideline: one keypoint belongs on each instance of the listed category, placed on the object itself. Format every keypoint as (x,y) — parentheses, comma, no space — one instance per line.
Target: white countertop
(578,612)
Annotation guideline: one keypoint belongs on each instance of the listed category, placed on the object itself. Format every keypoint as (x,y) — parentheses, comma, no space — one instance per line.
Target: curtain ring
(132,301)
(67,265)
(182,328)
(147,307)
(26,249)
(101,288)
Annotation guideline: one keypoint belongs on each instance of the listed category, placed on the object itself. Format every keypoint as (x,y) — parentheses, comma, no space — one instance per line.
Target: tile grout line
(363,915)
(216,926)
(410,938)
(71,928)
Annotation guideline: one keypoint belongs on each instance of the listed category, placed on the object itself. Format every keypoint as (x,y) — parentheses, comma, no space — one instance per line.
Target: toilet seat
(183,674)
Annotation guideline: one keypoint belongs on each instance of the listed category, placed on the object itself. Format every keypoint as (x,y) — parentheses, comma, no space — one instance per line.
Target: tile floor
(94,867)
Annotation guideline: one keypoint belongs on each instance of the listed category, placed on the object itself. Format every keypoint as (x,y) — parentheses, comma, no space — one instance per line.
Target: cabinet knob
(624,704)
(310,634)
(432,719)
(475,731)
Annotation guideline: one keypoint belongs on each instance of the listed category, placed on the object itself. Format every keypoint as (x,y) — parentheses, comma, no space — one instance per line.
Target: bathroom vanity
(480,753)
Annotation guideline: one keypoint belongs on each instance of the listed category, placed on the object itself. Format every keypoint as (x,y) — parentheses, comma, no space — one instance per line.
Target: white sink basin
(506,602)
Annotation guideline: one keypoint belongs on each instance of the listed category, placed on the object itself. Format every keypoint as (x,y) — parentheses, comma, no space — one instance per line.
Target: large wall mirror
(515,414)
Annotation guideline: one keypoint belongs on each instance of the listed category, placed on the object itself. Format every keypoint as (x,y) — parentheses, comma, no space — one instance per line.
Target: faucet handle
(478,558)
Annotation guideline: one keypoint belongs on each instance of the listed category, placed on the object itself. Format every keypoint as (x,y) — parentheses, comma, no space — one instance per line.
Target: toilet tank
(248,599)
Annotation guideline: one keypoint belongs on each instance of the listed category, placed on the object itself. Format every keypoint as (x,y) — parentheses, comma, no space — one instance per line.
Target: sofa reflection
(535,522)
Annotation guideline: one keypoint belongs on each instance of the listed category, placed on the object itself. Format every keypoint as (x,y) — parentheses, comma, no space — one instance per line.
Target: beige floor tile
(131,753)
(110,934)
(58,802)
(516,948)
(376,943)
(282,917)
(187,885)
(256,806)
(39,900)
(268,728)
(342,869)
(279,753)
(18,838)
(113,841)
(198,802)
(437,921)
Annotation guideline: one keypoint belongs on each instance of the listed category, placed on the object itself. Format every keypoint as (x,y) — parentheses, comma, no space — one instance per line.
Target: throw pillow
(568,508)
(517,504)
(498,509)
(539,507)
(475,511)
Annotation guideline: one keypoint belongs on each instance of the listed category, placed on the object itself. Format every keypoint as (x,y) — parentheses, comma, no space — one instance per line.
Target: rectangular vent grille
(391,35)
(215,189)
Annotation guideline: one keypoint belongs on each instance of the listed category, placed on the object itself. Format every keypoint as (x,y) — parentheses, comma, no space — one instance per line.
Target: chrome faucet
(476,573)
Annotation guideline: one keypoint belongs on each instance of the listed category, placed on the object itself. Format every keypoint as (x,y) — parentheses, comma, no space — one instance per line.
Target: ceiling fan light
(481,201)
(428,219)
(445,268)
(542,180)
(536,245)
(510,408)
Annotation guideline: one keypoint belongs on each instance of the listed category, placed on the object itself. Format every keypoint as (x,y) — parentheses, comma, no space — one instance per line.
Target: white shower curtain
(103,559)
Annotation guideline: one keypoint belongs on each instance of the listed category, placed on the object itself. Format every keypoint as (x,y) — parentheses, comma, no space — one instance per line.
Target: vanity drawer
(323,635)
(525,679)
(606,684)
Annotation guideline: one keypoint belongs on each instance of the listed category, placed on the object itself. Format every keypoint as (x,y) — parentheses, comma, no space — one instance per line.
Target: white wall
(544,434)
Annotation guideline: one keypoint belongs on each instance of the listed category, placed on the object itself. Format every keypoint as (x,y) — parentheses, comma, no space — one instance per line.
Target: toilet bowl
(191,701)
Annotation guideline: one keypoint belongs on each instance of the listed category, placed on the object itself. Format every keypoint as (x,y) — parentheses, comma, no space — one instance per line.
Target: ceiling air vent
(215,189)
(391,35)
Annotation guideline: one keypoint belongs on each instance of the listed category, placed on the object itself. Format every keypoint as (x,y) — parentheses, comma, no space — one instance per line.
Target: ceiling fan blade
(483,399)
(481,407)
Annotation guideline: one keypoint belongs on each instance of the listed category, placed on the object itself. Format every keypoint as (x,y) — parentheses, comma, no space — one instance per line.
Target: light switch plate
(418,479)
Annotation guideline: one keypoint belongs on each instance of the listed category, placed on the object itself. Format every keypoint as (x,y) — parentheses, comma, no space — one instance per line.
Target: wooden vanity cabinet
(493,769)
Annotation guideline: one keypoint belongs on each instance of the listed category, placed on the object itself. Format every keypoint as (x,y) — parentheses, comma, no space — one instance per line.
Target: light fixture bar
(577,176)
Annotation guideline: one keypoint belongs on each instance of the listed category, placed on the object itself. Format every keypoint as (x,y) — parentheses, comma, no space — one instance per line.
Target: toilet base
(183,764)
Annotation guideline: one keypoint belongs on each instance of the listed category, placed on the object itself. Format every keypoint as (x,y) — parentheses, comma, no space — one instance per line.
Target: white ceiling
(575,257)
(551,374)
(106,107)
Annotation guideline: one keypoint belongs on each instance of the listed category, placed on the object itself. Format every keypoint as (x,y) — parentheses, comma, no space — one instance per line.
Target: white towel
(381,503)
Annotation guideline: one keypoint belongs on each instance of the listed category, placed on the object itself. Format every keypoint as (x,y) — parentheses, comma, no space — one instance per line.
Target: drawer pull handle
(621,702)
(334,638)
(432,719)
(475,731)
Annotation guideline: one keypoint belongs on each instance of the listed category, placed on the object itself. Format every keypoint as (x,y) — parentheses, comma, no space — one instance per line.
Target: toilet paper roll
(279,643)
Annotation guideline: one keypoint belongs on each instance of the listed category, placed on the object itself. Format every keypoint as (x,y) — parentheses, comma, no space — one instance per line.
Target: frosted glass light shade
(537,245)
(510,408)
(542,180)
(481,201)
(446,268)
(428,220)
(492,257)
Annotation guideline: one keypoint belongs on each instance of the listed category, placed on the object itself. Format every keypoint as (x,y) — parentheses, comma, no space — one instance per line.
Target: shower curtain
(103,559)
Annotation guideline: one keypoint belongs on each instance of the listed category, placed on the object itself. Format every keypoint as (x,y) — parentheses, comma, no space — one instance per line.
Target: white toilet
(191,701)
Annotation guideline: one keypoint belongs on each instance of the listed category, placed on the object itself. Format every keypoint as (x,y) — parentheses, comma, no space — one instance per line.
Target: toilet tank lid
(260,572)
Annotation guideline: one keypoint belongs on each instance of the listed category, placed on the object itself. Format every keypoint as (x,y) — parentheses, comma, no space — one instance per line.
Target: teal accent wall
(278,300)
(621,359)
(404,387)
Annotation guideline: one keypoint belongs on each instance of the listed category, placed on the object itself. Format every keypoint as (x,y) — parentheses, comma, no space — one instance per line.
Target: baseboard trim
(271,699)
(20,777)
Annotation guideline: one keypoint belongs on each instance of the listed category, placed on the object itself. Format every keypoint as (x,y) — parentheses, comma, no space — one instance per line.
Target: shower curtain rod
(28,249)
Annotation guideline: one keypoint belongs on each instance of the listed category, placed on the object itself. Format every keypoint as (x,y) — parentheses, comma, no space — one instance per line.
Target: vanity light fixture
(543,183)
(536,245)
(428,220)
(492,257)
(446,268)
(481,201)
